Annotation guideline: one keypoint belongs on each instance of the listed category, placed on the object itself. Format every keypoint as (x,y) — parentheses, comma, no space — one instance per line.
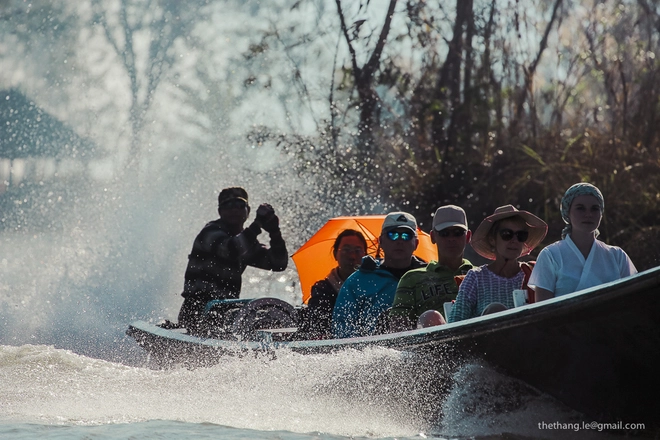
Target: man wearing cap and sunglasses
(222,251)
(368,292)
(427,289)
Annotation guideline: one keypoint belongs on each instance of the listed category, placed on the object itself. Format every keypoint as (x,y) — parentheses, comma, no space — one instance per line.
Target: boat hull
(597,351)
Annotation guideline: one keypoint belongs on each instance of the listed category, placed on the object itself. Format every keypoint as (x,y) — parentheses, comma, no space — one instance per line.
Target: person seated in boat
(428,288)
(348,249)
(368,293)
(579,260)
(503,237)
(222,251)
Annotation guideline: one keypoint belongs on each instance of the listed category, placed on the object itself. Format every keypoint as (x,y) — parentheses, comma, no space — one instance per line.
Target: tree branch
(374,60)
(344,30)
(529,72)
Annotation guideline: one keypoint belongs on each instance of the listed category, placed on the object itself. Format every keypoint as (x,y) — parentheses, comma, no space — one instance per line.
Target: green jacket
(425,289)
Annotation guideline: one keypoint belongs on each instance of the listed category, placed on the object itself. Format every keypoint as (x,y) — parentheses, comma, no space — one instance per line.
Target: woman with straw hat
(503,237)
(579,260)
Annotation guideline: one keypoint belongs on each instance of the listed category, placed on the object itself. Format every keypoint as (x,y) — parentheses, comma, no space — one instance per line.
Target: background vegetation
(407,104)
(486,103)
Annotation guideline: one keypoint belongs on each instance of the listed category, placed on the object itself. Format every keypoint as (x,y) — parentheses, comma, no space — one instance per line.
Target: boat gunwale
(451,332)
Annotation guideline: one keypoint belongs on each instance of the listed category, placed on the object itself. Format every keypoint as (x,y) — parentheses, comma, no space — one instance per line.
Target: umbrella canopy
(314,259)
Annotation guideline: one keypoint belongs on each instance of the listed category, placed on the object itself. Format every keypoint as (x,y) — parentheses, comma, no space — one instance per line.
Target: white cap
(396,220)
(449,216)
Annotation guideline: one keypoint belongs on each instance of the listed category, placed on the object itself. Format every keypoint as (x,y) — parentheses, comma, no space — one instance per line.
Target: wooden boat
(597,350)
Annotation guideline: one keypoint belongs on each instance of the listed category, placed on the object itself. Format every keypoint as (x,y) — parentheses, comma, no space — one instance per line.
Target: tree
(364,77)
(127,26)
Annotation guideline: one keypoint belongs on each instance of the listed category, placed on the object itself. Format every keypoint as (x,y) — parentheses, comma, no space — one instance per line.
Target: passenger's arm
(320,303)
(627,267)
(465,306)
(403,304)
(246,247)
(542,294)
(276,257)
(236,247)
(344,314)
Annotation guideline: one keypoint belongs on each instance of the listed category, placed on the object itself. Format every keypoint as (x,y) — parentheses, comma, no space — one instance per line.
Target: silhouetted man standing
(222,251)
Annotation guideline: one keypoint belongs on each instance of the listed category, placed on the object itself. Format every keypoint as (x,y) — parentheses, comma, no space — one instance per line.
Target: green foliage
(483,115)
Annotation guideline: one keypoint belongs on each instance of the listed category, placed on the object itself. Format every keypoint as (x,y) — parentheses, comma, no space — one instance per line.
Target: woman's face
(585,214)
(512,248)
(349,253)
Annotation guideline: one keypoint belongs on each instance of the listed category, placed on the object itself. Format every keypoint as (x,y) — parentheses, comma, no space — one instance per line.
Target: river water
(67,370)
(56,393)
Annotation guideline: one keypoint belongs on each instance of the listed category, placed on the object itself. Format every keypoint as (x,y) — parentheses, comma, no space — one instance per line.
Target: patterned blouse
(480,288)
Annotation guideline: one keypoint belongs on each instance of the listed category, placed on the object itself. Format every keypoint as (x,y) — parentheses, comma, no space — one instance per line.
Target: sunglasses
(508,234)
(234,204)
(451,233)
(351,251)
(405,236)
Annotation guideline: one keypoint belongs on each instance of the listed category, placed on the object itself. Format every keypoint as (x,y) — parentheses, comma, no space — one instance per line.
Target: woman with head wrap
(579,260)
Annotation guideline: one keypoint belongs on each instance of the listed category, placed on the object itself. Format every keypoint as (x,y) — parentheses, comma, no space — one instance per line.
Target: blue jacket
(364,297)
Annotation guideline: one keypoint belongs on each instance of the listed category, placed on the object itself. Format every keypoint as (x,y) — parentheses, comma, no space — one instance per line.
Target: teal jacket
(364,297)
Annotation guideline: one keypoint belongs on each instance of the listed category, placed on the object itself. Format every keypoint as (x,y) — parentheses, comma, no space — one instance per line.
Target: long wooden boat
(597,350)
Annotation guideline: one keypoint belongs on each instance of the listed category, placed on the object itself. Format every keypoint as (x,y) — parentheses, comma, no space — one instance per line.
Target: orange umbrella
(314,259)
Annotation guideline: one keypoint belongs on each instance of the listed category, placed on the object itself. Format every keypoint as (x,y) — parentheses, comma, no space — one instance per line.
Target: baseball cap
(229,194)
(395,220)
(448,216)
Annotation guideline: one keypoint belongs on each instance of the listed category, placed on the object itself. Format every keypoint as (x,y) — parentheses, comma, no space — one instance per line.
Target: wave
(371,393)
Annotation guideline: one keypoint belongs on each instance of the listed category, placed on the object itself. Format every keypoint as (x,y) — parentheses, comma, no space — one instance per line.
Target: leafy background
(329,108)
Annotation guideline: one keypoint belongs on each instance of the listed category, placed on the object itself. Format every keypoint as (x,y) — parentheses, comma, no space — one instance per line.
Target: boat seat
(527,267)
(263,313)
(219,314)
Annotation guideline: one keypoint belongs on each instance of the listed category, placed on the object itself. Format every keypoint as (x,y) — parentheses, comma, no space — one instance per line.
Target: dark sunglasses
(405,236)
(508,234)
(351,251)
(451,233)
(233,204)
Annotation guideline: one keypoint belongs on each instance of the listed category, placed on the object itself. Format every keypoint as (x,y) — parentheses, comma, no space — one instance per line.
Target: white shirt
(561,268)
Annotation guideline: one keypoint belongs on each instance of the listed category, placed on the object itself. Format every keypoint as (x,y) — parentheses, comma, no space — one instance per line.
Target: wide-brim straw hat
(537,230)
